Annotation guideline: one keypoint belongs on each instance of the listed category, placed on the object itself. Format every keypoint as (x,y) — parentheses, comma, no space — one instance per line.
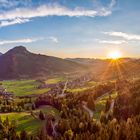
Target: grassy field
(54,80)
(88,85)
(75,90)
(23,87)
(24,121)
(91,83)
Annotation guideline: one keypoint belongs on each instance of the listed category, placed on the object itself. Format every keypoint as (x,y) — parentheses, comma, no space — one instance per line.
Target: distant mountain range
(104,69)
(0,53)
(20,63)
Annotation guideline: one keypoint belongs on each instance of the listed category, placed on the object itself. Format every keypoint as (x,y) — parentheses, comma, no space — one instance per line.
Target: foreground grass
(24,120)
(23,87)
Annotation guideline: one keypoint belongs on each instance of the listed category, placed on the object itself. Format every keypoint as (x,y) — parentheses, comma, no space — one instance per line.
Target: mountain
(20,63)
(104,69)
(123,68)
(0,53)
(93,61)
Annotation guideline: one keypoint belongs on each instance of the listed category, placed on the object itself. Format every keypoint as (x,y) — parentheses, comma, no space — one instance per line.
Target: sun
(114,55)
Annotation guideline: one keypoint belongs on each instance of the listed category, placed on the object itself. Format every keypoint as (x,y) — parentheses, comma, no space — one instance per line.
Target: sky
(71,28)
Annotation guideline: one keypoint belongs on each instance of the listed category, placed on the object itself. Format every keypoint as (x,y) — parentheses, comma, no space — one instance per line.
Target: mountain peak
(18,49)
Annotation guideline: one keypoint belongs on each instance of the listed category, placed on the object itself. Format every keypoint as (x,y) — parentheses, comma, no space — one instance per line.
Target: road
(63,91)
(65,87)
(112,105)
(88,110)
(92,112)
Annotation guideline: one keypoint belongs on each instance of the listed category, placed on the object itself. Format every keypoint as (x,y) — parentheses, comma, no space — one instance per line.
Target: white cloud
(115,42)
(27,40)
(124,35)
(53,39)
(112,4)
(25,11)
(50,10)
(12,22)
(13,3)
(24,14)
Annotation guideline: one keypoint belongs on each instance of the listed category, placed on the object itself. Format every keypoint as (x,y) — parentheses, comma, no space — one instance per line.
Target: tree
(68,134)
(49,127)
(107,106)
(41,115)
(91,103)
(23,135)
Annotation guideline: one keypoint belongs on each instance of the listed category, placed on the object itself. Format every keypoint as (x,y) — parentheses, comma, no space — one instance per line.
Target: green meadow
(24,120)
(54,80)
(23,87)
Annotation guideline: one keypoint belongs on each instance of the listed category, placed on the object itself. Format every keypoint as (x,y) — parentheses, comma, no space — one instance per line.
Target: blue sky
(71,28)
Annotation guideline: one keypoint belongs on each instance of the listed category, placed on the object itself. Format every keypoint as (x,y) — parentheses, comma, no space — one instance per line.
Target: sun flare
(114,54)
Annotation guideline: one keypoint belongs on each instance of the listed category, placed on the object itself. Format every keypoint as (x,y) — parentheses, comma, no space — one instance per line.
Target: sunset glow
(114,54)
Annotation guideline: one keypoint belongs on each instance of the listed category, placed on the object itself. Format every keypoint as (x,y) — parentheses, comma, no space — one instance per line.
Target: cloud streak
(25,14)
(26,40)
(123,35)
(50,10)
(13,3)
(115,42)
(53,39)
(112,4)
(29,40)
(12,22)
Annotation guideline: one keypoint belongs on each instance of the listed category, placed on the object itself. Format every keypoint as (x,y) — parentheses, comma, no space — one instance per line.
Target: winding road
(91,113)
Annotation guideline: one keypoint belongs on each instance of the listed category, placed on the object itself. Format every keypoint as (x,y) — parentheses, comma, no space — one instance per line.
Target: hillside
(121,68)
(20,63)
(104,69)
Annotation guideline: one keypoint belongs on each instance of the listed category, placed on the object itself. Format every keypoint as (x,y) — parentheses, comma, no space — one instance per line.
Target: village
(4,94)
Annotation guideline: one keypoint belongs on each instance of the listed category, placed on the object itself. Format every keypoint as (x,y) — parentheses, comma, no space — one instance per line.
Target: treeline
(85,130)
(127,102)
(16,105)
(122,123)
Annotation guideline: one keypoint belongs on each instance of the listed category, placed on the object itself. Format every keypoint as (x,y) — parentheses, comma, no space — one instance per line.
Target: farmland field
(54,80)
(23,87)
(24,120)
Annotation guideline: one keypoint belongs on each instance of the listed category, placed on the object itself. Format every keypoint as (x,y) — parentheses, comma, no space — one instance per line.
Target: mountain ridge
(19,63)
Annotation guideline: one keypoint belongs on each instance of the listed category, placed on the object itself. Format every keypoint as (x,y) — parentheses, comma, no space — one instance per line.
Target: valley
(28,104)
(67,105)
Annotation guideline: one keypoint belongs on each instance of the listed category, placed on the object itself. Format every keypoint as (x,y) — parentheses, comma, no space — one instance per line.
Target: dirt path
(63,91)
